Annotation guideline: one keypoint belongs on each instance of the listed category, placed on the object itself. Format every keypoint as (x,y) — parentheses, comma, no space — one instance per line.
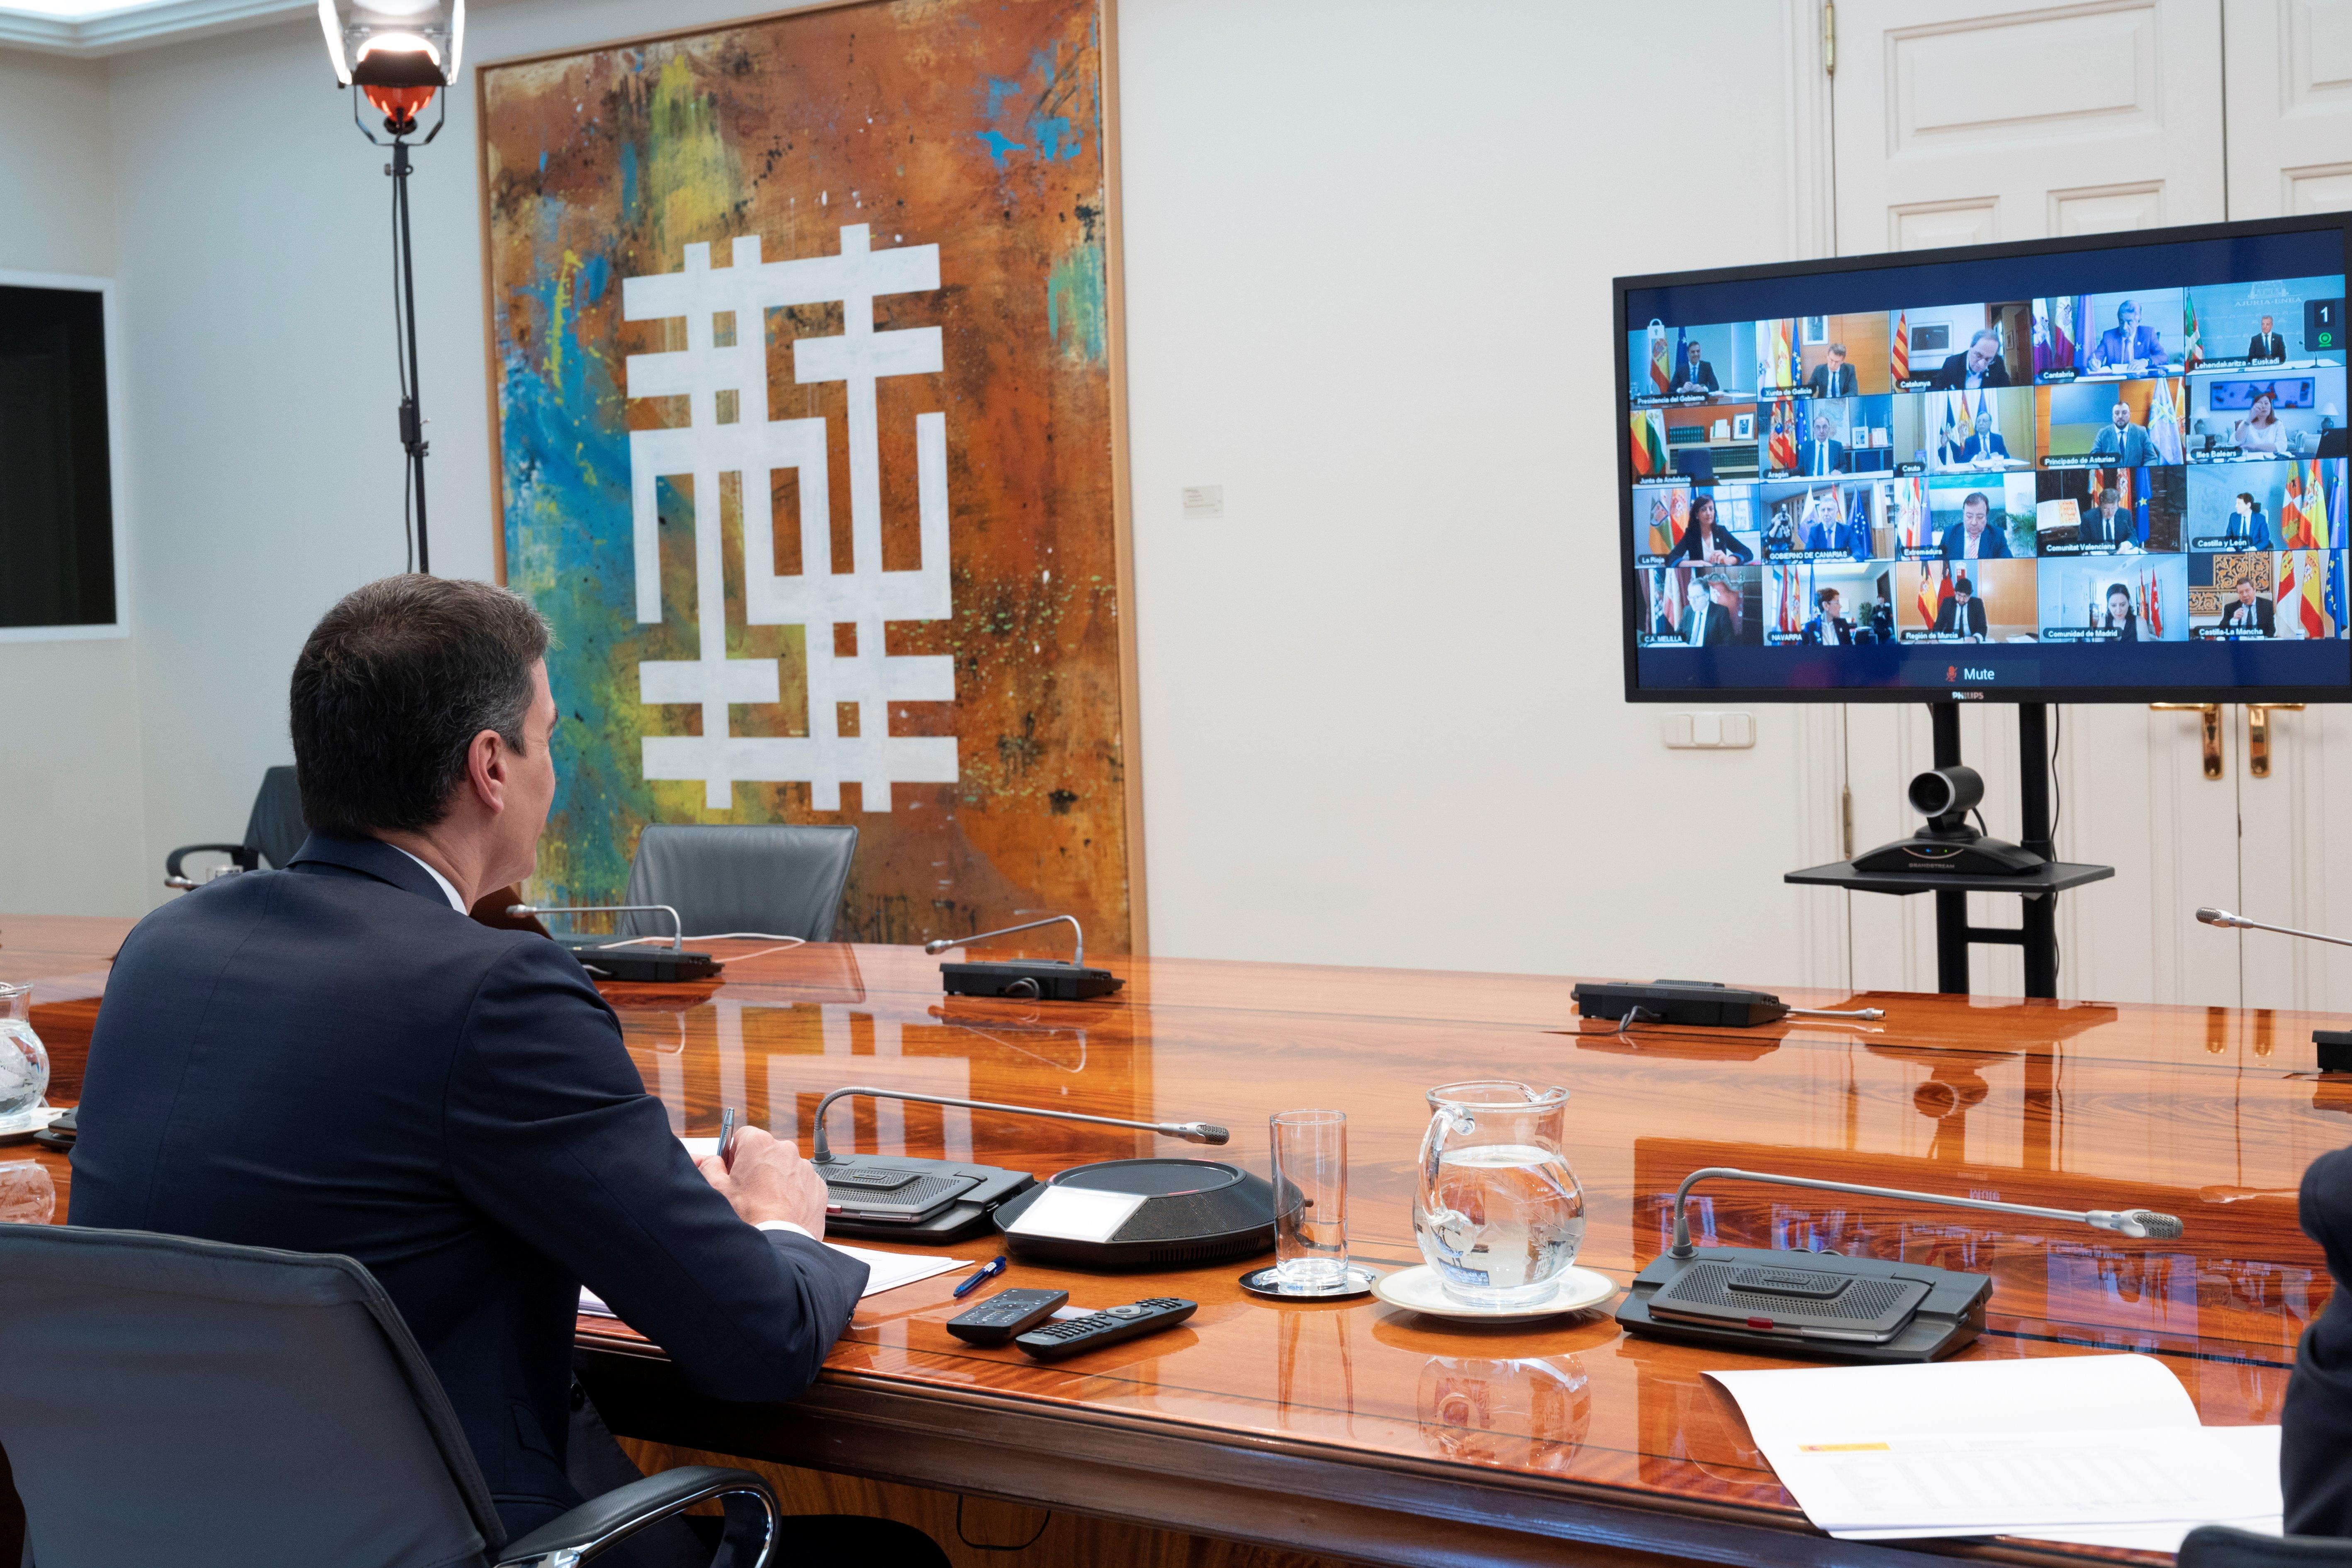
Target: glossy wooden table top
(2211,1114)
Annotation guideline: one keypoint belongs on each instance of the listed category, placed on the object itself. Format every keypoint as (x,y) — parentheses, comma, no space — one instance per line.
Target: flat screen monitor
(2080,470)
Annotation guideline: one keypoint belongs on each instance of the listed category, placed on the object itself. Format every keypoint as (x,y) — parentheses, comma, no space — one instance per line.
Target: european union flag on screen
(1857,525)
(1682,349)
(2335,590)
(2139,503)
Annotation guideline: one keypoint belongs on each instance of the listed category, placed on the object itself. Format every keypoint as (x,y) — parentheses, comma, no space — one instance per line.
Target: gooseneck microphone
(1078,955)
(2141,1223)
(1190,1132)
(677,926)
(2213,916)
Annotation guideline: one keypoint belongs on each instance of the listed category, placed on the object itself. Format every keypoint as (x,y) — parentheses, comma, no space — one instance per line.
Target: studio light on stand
(400,54)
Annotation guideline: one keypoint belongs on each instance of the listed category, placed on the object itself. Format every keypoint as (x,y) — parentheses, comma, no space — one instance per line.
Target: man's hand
(769,1181)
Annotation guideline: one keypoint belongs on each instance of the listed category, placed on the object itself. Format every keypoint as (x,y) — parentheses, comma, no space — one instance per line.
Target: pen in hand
(727,1136)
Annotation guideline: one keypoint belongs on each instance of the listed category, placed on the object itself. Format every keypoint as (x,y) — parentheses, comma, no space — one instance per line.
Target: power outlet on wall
(1708,731)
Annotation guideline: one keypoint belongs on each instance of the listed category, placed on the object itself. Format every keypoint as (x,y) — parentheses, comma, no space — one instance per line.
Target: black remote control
(1006,1314)
(1107,1327)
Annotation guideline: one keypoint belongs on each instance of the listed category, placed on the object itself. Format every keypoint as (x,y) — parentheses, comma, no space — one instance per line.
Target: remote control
(1107,1327)
(1006,1314)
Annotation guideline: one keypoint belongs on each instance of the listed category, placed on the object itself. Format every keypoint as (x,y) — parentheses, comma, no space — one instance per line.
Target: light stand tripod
(400,120)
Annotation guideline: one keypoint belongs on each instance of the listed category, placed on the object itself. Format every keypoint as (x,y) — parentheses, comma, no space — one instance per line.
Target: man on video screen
(1834,378)
(1979,364)
(1973,538)
(1829,628)
(2109,524)
(1963,612)
(2121,439)
(2266,344)
(1694,374)
(2249,611)
(2248,526)
(1707,624)
(2129,346)
(1821,456)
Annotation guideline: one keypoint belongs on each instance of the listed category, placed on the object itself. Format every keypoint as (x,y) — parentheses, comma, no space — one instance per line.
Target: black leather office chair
(275,831)
(2220,1546)
(779,880)
(1695,464)
(182,1402)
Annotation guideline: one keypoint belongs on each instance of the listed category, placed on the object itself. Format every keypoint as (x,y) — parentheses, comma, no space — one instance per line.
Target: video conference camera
(1945,796)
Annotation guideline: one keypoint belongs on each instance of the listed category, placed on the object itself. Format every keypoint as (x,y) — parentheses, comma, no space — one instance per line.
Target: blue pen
(986,1274)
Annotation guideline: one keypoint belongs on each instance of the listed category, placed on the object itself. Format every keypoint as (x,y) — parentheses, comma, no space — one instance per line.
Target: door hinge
(1829,37)
(1845,824)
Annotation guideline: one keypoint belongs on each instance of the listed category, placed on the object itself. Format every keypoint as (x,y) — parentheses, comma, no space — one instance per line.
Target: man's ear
(486,770)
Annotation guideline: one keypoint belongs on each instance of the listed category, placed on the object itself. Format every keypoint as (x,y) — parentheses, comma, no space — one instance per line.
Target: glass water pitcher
(24,1063)
(1496,1210)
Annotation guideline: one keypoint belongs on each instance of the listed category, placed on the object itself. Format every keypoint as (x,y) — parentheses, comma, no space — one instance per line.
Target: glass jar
(24,1063)
(1497,1212)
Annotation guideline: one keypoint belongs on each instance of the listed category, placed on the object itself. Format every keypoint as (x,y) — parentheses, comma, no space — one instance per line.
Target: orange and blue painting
(803,350)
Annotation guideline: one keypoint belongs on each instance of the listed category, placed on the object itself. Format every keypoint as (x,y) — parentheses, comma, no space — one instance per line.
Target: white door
(1956,127)
(2290,151)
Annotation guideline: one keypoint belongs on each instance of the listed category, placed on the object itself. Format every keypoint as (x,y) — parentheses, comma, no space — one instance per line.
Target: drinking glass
(24,1063)
(1310,1201)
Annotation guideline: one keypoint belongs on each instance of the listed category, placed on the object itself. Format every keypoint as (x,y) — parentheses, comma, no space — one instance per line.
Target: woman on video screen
(1703,543)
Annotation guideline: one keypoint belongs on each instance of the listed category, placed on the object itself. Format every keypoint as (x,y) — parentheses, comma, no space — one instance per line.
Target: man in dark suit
(1963,612)
(1694,374)
(1821,456)
(1978,365)
(1706,624)
(2130,346)
(2121,439)
(1973,538)
(333,1057)
(2248,526)
(2266,343)
(1833,377)
(1829,629)
(2108,523)
(2249,611)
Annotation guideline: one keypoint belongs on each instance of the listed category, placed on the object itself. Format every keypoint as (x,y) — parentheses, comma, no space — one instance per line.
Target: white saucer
(25,1123)
(1418,1290)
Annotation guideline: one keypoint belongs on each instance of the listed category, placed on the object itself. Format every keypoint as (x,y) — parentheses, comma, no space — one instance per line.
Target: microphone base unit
(2334,1047)
(657,964)
(1703,1002)
(1045,980)
(1806,1305)
(891,1197)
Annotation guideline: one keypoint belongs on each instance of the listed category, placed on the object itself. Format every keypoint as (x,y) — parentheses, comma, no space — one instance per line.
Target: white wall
(70,802)
(1367,254)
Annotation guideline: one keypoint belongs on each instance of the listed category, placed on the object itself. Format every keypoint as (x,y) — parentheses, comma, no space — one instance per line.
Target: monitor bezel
(1630,585)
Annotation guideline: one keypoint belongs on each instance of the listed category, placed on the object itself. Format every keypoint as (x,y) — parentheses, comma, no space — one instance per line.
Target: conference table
(1361,1432)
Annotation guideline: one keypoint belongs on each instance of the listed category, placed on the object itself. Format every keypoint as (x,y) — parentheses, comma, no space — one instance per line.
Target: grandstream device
(625,958)
(1006,1314)
(1945,796)
(899,1197)
(1703,1002)
(1821,1304)
(1110,1326)
(1038,980)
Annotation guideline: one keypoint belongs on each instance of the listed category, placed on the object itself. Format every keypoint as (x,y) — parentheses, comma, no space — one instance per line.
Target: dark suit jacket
(1988,445)
(1807,451)
(330,1058)
(1948,616)
(1993,547)
(1954,376)
(1817,634)
(2130,627)
(1820,381)
(2096,530)
(2271,347)
(2255,530)
(2315,1440)
(1718,627)
(1684,378)
(2145,343)
(1689,547)
(2234,614)
(2132,445)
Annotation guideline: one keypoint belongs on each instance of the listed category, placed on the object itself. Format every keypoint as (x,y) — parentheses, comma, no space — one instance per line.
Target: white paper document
(2106,1448)
(885,1271)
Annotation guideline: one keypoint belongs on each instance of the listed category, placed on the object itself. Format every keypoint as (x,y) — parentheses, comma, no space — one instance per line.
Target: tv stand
(2038,933)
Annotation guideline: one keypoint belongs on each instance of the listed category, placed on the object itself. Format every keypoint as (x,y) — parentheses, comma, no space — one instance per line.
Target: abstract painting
(804,349)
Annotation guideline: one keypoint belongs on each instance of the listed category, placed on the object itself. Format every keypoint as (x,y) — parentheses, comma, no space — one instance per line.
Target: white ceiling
(91,28)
